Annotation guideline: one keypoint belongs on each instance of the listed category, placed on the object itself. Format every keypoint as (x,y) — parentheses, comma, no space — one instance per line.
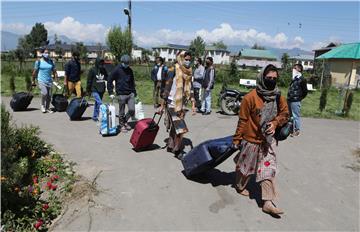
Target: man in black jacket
(297,92)
(125,90)
(158,76)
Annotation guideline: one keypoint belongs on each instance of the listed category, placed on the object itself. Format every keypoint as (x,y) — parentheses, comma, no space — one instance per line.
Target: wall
(341,69)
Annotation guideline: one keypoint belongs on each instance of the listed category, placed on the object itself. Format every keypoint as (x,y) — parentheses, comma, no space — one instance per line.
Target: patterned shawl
(183,82)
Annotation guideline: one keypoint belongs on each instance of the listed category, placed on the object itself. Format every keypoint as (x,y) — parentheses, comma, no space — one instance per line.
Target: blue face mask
(124,65)
(45,55)
(187,63)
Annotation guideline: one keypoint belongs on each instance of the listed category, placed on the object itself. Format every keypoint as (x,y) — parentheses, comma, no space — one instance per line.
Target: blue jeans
(98,101)
(206,101)
(295,111)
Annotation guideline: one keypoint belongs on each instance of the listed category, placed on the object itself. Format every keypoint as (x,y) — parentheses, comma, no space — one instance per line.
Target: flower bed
(34,178)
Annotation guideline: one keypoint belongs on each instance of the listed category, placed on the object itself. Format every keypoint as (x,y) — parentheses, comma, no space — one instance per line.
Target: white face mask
(187,63)
(295,73)
(45,55)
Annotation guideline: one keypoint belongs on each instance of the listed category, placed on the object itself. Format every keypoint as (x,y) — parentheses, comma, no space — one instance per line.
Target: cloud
(224,32)
(77,30)
(17,28)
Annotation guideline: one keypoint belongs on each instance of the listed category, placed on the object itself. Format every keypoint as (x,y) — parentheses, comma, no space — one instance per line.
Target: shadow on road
(215,177)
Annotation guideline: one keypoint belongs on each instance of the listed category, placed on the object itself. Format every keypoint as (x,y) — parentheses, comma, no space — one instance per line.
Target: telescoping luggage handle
(153,118)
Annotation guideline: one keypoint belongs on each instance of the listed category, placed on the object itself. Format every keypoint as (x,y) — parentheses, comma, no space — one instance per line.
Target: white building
(169,51)
(307,61)
(220,56)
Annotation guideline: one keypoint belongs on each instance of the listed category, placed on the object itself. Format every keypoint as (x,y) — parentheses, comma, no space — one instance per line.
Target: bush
(29,168)
(323,99)
(284,79)
(348,102)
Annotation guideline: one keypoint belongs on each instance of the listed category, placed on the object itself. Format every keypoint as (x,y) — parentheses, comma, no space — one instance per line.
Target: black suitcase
(60,102)
(76,108)
(20,101)
(207,155)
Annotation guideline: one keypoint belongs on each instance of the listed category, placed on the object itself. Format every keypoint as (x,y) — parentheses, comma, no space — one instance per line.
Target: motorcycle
(230,101)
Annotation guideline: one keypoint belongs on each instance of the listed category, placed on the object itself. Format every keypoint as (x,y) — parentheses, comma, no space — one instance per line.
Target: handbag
(281,133)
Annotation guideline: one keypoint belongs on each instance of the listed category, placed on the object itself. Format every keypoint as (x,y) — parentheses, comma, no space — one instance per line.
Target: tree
(81,48)
(258,47)
(197,47)
(119,42)
(285,61)
(37,37)
(233,69)
(220,45)
(23,50)
(145,55)
(58,49)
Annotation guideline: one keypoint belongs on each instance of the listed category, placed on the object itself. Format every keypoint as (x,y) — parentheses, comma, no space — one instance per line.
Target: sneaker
(42,108)
(296,133)
(123,129)
(49,111)
(127,127)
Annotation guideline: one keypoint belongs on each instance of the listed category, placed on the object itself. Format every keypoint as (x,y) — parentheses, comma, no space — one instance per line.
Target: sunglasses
(270,78)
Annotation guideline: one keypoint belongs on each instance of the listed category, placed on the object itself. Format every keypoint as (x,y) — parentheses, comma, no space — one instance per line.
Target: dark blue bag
(76,108)
(207,155)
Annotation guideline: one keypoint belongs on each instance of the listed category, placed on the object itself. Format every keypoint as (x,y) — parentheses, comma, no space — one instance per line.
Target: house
(93,51)
(307,61)
(320,51)
(169,51)
(343,64)
(257,58)
(220,56)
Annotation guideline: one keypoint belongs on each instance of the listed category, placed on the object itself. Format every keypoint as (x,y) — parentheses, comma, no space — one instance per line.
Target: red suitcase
(144,133)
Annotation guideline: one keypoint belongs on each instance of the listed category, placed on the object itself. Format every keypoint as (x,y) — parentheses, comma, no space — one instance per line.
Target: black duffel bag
(20,101)
(59,101)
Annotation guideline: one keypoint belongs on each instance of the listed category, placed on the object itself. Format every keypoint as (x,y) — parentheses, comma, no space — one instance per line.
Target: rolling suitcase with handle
(207,155)
(144,133)
(107,120)
(20,101)
(76,108)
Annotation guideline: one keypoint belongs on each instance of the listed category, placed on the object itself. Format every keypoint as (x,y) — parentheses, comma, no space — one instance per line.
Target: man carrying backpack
(297,92)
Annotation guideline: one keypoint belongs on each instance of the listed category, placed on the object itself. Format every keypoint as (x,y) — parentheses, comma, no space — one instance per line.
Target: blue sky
(275,24)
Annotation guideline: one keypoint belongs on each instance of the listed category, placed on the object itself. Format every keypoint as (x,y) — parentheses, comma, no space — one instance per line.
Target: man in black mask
(72,74)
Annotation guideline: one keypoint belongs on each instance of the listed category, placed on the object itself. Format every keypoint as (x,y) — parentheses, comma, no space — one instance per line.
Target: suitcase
(76,108)
(144,133)
(107,120)
(207,155)
(20,101)
(60,102)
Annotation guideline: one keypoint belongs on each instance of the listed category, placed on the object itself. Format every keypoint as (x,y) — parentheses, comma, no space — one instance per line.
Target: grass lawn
(144,86)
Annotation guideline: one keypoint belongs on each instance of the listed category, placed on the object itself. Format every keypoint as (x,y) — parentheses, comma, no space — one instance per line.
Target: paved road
(147,191)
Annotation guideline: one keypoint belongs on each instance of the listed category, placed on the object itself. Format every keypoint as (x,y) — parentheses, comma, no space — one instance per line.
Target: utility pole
(127,12)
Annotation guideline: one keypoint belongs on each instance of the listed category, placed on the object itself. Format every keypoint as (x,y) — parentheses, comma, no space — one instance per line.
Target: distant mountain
(9,40)
(278,52)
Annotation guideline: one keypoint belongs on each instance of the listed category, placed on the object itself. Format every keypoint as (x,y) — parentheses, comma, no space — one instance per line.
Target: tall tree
(258,47)
(119,42)
(285,61)
(197,47)
(58,49)
(220,45)
(81,48)
(37,37)
(23,49)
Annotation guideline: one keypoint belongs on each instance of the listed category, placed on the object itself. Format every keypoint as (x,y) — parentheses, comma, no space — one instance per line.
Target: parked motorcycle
(230,101)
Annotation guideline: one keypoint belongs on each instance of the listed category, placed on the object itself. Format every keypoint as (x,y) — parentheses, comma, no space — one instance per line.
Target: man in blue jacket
(125,91)
(158,75)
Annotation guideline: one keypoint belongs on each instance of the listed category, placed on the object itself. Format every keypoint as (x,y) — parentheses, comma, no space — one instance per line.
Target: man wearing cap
(124,89)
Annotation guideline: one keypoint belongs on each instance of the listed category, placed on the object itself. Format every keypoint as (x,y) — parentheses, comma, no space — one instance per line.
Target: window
(305,63)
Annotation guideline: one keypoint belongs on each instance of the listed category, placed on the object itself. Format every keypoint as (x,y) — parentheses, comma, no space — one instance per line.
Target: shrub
(348,102)
(323,98)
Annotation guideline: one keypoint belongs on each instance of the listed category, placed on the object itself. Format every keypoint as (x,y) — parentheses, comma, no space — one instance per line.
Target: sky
(282,24)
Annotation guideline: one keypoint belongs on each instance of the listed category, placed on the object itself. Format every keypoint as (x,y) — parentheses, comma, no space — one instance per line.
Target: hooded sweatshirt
(96,78)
